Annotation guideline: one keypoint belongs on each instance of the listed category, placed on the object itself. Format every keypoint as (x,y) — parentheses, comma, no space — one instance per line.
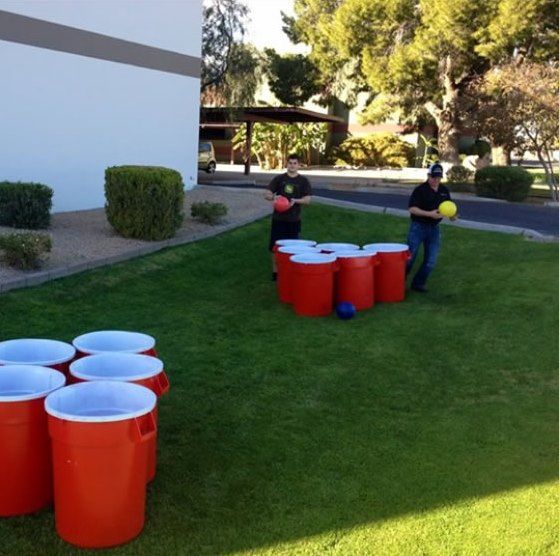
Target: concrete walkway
(539,220)
(324,176)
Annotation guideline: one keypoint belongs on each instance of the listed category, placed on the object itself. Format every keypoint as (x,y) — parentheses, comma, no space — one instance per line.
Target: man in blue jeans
(424,228)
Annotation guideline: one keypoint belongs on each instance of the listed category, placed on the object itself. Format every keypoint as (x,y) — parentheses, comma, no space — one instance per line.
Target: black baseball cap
(435,170)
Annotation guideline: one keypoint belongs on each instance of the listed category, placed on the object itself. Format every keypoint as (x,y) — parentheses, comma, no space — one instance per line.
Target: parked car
(206,157)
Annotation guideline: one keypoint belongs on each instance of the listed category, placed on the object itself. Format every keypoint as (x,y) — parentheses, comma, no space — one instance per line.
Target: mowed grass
(426,427)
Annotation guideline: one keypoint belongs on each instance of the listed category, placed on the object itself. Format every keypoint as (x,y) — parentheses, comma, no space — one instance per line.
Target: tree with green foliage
(530,94)
(375,150)
(223,27)
(293,78)
(339,75)
(272,143)
(491,117)
(419,56)
(240,83)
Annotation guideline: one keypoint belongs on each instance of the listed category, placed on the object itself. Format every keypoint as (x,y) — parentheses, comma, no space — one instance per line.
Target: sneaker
(421,289)
(274,276)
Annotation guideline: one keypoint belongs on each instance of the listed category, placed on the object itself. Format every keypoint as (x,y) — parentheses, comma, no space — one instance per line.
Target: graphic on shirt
(289,189)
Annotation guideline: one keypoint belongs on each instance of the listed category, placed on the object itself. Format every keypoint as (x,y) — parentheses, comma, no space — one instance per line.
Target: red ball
(281,204)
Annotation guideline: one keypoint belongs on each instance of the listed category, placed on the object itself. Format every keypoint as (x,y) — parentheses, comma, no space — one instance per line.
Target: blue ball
(345,310)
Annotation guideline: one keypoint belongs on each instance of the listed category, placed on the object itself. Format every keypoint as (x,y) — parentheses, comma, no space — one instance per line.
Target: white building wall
(65,117)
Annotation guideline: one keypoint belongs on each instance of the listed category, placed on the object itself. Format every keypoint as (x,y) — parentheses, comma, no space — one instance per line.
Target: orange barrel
(282,242)
(390,277)
(127,367)
(313,283)
(355,279)
(39,352)
(336,247)
(104,341)
(98,430)
(285,279)
(25,458)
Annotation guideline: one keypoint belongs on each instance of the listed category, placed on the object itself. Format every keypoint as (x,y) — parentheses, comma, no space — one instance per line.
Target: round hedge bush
(511,183)
(25,205)
(144,202)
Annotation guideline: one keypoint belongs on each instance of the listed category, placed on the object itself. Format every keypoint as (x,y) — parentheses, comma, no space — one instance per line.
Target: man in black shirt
(424,228)
(297,189)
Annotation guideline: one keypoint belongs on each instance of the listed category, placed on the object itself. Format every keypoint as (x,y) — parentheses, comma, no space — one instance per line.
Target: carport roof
(269,114)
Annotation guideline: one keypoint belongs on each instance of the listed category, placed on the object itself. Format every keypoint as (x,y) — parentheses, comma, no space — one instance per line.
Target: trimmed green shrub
(459,174)
(144,202)
(208,213)
(25,205)
(511,183)
(377,149)
(24,250)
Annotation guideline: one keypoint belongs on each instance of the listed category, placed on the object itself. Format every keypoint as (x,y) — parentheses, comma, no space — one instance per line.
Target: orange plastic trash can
(283,261)
(336,247)
(313,283)
(355,279)
(97,431)
(124,341)
(41,352)
(144,370)
(390,277)
(300,242)
(25,456)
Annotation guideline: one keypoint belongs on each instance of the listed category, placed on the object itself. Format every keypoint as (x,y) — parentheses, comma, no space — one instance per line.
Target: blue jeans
(430,237)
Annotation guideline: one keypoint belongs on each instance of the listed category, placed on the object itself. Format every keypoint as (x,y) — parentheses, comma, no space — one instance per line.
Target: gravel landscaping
(85,237)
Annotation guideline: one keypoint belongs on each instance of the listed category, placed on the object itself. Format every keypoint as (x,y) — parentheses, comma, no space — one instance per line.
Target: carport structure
(235,117)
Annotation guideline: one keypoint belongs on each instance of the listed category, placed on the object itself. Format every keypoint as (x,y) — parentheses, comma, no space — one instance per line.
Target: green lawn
(539,188)
(539,176)
(427,427)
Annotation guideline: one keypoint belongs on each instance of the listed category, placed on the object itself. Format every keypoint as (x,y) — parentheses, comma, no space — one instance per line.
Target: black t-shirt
(426,198)
(292,188)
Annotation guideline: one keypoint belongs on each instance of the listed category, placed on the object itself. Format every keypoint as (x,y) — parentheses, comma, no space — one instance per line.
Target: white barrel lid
(111,341)
(313,258)
(386,247)
(349,254)
(35,351)
(296,249)
(21,383)
(309,242)
(337,246)
(101,401)
(125,367)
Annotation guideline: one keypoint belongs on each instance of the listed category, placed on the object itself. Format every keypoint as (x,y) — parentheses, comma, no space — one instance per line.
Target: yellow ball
(448,209)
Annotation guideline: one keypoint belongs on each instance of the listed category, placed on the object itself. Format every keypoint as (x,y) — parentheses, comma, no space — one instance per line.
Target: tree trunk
(449,130)
(447,117)
(248,147)
(549,176)
(552,180)
(500,156)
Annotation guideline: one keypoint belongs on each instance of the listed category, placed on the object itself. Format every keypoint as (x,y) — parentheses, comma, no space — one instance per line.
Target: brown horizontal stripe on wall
(53,36)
